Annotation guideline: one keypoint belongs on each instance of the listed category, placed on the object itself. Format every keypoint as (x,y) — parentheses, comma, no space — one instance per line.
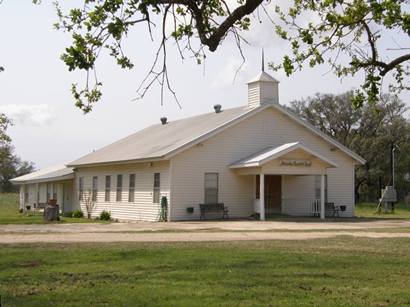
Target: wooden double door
(273,193)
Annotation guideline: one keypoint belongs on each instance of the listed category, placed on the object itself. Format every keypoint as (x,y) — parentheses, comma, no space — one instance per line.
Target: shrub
(105,216)
(78,214)
(164,209)
(68,214)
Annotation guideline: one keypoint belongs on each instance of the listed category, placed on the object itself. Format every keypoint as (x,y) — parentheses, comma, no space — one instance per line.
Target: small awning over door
(289,158)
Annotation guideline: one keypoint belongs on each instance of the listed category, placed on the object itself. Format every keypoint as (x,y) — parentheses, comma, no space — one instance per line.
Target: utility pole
(392,164)
(393,149)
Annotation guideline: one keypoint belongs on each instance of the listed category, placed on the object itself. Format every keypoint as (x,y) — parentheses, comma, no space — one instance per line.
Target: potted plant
(164,209)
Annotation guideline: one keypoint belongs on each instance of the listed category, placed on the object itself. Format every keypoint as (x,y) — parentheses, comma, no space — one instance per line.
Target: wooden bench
(331,209)
(38,206)
(219,207)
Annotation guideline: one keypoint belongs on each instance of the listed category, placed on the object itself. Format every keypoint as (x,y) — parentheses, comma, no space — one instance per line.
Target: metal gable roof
(157,141)
(59,172)
(162,141)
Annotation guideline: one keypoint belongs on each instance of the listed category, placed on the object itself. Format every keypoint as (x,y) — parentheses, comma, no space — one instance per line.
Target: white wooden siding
(143,207)
(253,95)
(21,196)
(266,129)
(297,194)
(57,187)
(262,93)
(31,190)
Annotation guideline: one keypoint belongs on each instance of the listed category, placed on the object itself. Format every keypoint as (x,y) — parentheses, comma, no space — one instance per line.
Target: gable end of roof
(319,133)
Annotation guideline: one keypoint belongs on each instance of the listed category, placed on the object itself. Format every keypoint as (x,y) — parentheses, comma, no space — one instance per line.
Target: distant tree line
(11,165)
(369,131)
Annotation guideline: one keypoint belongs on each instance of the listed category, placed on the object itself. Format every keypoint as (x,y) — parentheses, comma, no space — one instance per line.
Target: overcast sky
(50,130)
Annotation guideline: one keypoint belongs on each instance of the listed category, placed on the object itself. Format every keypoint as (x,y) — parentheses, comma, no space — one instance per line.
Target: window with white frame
(54,191)
(211,188)
(317,187)
(48,196)
(107,188)
(131,189)
(95,189)
(119,188)
(157,188)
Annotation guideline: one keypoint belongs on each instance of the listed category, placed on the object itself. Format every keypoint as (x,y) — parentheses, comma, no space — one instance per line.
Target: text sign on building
(295,162)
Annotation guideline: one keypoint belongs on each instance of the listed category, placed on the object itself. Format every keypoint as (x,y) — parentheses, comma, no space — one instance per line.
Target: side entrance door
(273,193)
(68,196)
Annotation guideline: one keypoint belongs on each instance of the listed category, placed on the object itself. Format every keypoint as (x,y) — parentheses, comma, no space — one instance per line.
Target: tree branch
(394,63)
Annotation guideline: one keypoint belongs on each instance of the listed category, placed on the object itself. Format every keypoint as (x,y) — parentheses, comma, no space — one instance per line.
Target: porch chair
(331,209)
(315,208)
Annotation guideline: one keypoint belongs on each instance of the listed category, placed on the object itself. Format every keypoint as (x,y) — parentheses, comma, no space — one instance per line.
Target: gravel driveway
(200,231)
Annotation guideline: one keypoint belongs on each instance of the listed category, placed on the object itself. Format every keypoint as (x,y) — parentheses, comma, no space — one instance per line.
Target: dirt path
(291,225)
(184,236)
(201,231)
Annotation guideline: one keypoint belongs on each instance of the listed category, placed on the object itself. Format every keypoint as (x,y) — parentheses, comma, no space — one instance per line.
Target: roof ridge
(155,153)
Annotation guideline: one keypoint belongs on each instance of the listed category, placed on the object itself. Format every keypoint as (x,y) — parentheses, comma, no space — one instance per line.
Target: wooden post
(23,197)
(322,197)
(262,197)
(37,199)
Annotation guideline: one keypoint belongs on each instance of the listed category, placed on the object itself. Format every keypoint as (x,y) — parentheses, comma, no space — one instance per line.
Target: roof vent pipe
(164,120)
(218,108)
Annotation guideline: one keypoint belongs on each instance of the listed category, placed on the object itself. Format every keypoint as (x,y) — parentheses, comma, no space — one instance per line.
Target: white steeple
(263,89)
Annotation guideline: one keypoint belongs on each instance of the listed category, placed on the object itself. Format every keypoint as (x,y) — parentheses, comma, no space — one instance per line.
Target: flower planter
(51,213)
(52,202)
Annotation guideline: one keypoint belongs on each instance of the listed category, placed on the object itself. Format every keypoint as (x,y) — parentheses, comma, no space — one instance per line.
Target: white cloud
(234,71)
(29,115)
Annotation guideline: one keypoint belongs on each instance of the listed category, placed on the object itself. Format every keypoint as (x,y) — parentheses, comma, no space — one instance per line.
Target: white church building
(256,159)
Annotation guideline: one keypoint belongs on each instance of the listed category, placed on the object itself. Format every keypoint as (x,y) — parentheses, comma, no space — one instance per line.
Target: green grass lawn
(336,272)
(9,206)
(369,210)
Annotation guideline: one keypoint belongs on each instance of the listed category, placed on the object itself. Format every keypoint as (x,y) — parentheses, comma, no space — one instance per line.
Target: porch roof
(268,154)
(55,173)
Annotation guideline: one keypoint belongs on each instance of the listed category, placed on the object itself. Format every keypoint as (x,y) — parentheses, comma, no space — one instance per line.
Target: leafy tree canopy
(5,122)
(369,131)
(349,27)
(11,165)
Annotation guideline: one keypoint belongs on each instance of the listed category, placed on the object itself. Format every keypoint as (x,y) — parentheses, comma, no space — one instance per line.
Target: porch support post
(262,196)
(37,195)
(322,197)
(23,197)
